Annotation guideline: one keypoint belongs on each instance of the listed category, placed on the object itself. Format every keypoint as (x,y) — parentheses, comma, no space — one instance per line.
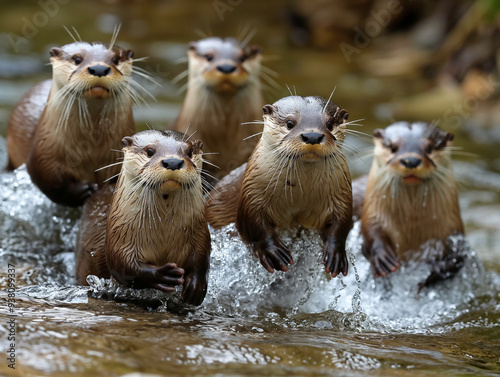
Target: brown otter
(64,128)
(297,175)
(411,197)
(153,222)
(223,91)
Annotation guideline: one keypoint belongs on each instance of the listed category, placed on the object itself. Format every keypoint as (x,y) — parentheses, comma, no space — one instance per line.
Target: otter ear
(129,54)
(55,52)
(127,141)
(343,115)
(268,109)
(379,133)
(253,50)
(444,138)
(197,146)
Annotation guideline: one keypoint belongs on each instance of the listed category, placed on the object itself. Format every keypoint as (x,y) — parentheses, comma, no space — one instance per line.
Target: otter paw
(383,263)
(84,191)
(335,260)
(167,277)
(275,256)
(195,289)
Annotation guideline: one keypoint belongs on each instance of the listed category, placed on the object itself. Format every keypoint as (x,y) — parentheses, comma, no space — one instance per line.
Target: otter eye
(116,60)
(394,148)
(189,152)
(429,149)
(209,57)
(150,152)
(290,124)
(77,59)
(243,58)
(329,125)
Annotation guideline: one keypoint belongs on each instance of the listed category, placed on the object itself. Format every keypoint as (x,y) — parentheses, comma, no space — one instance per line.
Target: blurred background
(387,60)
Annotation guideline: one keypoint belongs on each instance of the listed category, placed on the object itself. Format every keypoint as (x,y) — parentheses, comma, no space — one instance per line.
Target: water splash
(40,236)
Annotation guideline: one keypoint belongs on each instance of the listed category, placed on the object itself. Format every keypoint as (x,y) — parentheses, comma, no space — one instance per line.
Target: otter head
(309,128)
(91,70)
(223,64)
(411,151)
(162,161)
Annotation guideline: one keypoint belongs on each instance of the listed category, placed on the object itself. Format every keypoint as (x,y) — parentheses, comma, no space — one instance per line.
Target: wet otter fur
(64,129)
(297,175)
(223,91)
(411,198)
(151,231)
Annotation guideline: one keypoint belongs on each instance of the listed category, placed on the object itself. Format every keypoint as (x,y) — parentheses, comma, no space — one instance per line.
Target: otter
(411,197)
(223,91)
(297,175)
(150,232)
(64,128)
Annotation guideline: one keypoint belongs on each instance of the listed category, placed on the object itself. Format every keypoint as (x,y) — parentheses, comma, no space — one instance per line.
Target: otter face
(91,70)
(224,65)
(412,151)
(309,128)
(162,161)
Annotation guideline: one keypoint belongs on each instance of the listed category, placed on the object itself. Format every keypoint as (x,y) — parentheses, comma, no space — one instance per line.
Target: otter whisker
(108,166)
(180,76)
(210,163)
(145,74)
(247,39)
(114,36)
(328,101)
(253,122)
(110,178)
(71,35)
(257,134)
(190,136)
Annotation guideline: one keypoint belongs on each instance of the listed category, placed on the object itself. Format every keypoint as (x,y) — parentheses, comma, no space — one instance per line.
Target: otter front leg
(264,241)
(379,250)
(447,266)
(195,278)
(60,186)
(272,253)
(334,236)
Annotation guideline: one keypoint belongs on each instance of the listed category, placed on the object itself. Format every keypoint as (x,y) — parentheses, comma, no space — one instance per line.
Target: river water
(252,323)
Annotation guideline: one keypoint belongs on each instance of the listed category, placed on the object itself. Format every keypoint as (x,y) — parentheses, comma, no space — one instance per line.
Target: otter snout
(312,138)
(226,68)
(410,162)
(172,163)
(99,70)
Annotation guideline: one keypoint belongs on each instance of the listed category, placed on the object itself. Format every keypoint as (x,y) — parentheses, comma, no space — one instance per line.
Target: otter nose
(226,68)
(99,70)
(410,162)
(312,137)
(172,163)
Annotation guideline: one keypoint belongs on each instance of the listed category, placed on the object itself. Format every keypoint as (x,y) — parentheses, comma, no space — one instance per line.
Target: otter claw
(195,289)
(167,277)
(275,257)
(335,261)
